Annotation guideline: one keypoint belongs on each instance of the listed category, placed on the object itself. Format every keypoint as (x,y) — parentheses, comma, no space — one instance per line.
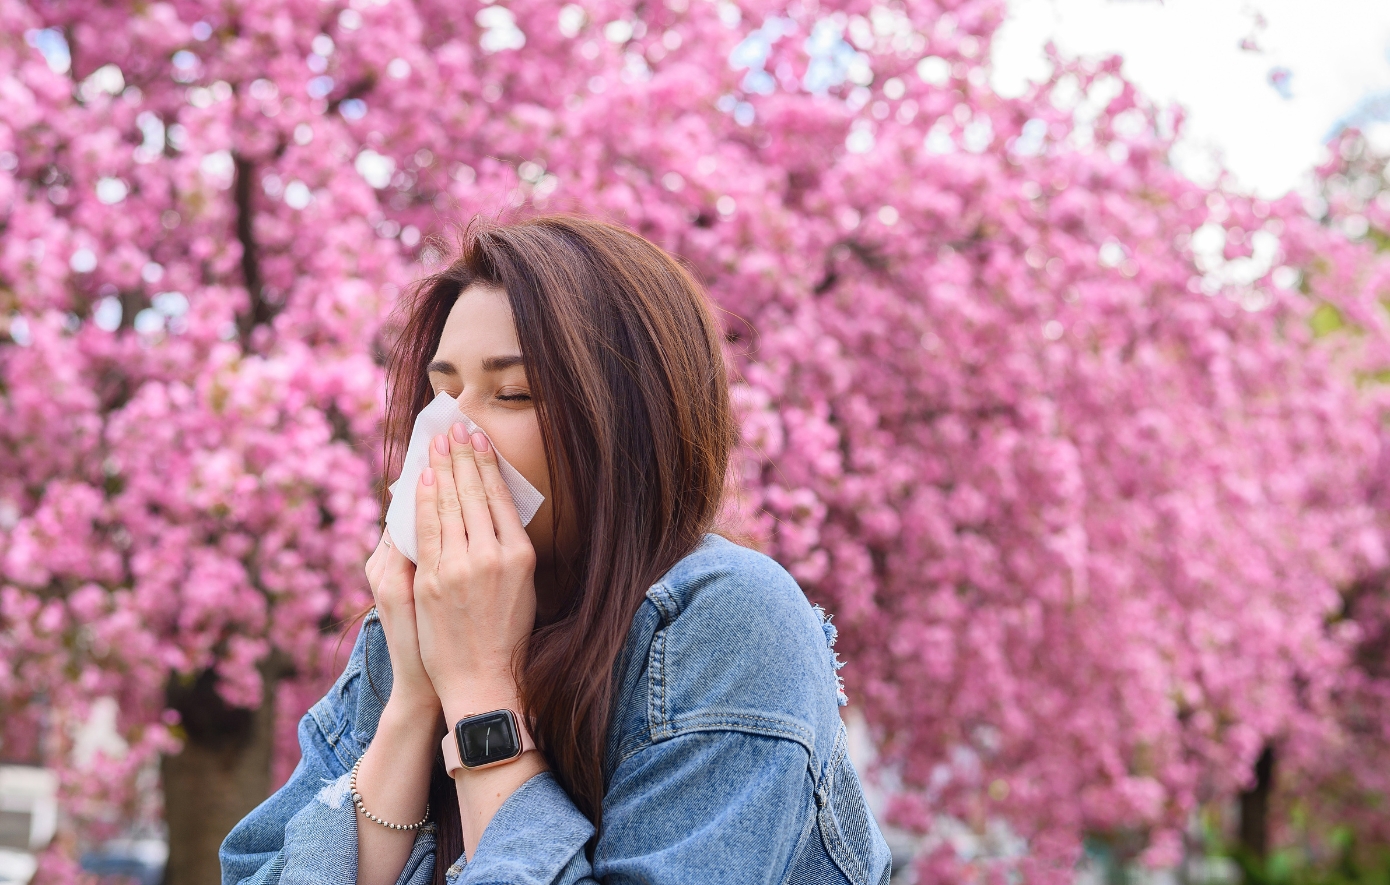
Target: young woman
(617,693)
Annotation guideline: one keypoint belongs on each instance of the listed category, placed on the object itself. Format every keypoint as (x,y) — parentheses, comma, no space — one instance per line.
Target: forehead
(479,325)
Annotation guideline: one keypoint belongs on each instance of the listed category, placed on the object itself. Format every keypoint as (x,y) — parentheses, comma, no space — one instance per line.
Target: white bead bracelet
(357,800)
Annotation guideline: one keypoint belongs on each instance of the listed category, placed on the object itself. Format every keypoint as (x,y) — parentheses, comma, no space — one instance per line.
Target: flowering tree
(1044,423)
(1342,791)
(188,414)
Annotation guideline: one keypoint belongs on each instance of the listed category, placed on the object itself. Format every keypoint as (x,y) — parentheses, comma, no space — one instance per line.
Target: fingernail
(428,476)
(479,442)
(441,444)
(460,432)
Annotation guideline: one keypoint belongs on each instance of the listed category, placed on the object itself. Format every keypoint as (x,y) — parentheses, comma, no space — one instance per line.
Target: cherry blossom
(1062,439)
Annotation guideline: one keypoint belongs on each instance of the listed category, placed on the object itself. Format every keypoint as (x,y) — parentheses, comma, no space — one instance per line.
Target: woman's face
(479,364)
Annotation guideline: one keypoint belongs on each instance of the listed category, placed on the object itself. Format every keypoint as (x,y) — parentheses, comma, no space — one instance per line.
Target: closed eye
(514,397)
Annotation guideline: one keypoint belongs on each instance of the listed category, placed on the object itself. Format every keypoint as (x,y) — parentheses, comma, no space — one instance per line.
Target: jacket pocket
(847,828)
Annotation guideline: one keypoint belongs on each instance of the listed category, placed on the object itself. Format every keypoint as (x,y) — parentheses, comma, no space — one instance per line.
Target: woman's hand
(475,595)
(392,579)
(394,773)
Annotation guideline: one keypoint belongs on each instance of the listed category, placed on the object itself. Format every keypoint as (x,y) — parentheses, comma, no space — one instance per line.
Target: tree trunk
(222,773)
(1254,807)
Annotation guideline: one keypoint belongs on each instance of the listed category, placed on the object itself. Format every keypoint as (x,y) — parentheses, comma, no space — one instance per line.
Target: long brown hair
(627,376)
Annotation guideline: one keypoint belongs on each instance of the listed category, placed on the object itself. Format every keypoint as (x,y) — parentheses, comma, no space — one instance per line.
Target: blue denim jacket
(726,758)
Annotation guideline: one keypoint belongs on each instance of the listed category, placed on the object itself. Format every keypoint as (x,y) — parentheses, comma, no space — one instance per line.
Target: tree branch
(260,311)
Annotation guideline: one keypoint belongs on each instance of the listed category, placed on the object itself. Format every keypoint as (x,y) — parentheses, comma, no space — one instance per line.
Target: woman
(619,695)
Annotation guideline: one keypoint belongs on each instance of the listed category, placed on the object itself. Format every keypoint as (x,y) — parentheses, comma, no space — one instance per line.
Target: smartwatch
(483,740)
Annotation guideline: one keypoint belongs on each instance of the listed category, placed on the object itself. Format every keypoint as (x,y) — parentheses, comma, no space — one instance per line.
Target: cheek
(520,443)
(529,460)
(518,438)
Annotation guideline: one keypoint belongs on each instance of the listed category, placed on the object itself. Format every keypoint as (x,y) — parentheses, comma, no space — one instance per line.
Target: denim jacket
(726,758)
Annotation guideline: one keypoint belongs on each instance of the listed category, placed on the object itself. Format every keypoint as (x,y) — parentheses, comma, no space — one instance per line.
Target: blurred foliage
(1343,841)
(1347,864)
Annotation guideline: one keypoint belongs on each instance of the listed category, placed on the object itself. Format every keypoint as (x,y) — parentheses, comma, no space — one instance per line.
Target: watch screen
(489,738)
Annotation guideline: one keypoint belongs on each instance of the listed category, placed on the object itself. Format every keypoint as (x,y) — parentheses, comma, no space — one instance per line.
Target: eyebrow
(491,364)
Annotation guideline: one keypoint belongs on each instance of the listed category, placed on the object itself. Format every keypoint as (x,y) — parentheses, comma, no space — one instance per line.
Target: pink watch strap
(453,764)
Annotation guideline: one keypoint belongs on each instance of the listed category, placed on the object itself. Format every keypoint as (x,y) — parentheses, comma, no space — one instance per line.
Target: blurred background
(1060,339)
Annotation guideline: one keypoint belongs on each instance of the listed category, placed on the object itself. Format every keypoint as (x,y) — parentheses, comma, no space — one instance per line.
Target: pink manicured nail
(427,475)
(441,444)
(460,432)
(479,442)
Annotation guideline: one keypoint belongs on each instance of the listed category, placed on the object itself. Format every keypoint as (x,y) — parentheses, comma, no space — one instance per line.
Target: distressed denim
(726,758)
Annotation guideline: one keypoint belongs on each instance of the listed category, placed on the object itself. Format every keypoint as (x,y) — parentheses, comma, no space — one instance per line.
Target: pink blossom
(1044,424)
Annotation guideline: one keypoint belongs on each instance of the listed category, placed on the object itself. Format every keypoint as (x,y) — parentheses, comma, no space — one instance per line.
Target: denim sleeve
(709,806)
(306,832)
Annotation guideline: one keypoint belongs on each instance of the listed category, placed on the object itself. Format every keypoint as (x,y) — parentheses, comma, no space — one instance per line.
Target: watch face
(488,738)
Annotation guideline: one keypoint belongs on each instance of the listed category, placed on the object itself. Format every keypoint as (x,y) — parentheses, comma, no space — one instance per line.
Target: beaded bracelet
(357,800)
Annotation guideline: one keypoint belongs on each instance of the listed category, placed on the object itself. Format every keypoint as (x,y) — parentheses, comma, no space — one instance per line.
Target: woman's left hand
(475,595)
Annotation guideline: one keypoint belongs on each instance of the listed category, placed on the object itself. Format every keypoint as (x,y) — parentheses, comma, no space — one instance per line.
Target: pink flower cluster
(1044,424)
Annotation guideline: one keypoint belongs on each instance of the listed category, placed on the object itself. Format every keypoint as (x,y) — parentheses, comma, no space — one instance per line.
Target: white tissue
(434,419)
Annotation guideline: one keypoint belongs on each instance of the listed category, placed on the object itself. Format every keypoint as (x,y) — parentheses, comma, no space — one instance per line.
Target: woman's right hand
(392,579)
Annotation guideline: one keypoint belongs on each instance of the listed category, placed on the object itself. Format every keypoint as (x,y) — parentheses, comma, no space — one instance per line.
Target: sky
(1336,54)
